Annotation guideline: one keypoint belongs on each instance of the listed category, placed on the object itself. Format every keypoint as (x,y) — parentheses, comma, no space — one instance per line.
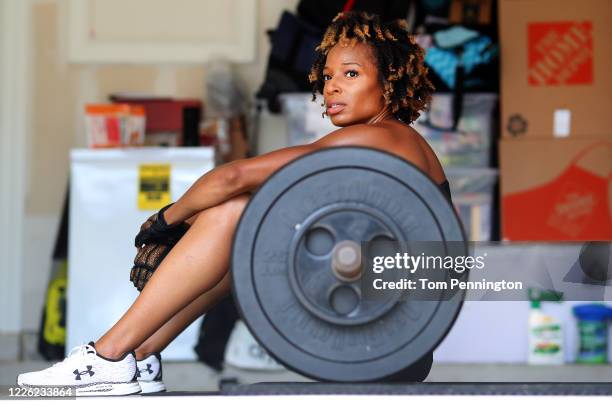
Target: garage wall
(13,130)
(58,92)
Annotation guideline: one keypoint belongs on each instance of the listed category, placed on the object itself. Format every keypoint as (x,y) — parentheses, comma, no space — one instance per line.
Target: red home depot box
(556,189)
(556,60)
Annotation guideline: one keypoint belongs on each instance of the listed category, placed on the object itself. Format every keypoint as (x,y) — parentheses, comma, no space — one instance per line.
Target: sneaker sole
(98,389)
(109,389)
(152,386)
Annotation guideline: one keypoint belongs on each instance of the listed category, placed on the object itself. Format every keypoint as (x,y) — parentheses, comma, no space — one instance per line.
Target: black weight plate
(311,279)
(280,277)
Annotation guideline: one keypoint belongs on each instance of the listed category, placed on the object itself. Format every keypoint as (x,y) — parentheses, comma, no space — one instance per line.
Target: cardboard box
(555,68)
(470,11)
(556,190)
(114,125)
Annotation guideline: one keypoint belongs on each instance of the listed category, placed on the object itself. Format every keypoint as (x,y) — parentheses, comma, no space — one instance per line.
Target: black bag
(291,56)
(321,12)
(215,332)
(52,332)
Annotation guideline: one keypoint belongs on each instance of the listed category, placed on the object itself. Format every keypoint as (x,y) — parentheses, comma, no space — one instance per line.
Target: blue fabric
(454,36)
(444,61)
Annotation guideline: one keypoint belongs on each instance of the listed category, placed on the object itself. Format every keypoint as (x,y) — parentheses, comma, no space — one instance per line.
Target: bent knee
(231,208)
(236,204)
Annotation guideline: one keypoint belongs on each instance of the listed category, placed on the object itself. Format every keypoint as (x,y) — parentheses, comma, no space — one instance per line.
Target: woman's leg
(180,321)
(195,265)
(173,327)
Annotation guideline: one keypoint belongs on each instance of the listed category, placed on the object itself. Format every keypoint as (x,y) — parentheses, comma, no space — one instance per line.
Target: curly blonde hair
(400,60)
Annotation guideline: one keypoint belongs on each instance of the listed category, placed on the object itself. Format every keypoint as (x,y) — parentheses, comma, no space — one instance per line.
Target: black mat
(524,389)
(472,388)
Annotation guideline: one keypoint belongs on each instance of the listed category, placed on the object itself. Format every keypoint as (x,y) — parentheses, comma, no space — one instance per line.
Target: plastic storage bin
(470,144)
(304,121)
(472,191)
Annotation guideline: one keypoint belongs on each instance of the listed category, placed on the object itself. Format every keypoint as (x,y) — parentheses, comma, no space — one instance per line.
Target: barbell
(297,270)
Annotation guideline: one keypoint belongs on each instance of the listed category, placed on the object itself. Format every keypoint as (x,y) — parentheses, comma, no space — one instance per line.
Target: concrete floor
(195,376)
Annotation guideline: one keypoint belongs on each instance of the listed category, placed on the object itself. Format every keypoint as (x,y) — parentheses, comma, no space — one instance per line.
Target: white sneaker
(88,374)
(150,374)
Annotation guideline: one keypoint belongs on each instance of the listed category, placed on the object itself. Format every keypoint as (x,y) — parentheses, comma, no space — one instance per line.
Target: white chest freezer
(112,192)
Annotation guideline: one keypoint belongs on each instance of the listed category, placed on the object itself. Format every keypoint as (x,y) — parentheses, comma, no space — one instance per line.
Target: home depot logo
(560,53)
(573,209)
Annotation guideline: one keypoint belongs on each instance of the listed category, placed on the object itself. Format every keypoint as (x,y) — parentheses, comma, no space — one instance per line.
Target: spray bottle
(545,331)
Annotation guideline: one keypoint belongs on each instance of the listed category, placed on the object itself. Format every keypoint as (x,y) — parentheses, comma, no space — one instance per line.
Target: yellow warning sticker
(153,186)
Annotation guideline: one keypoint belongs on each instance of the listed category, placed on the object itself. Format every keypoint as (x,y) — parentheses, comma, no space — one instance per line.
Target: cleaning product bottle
(593,331)
(545,331)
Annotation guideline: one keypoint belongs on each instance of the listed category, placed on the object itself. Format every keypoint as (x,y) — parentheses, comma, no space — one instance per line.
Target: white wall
(13,129)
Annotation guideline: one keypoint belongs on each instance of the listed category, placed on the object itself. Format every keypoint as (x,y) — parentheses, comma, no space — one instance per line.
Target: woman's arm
(244,175)
(231,179)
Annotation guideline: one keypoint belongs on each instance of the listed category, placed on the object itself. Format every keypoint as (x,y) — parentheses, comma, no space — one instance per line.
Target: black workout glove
(147,260)
(156,230)
(154,241)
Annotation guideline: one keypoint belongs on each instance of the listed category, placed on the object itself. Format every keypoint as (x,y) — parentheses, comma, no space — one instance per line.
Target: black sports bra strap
(445,188)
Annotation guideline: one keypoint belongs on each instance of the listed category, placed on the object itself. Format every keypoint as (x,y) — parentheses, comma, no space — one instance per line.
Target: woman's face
(352,91)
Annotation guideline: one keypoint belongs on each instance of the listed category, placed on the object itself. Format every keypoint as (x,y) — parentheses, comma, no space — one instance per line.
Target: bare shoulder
(366,135)
(397,139)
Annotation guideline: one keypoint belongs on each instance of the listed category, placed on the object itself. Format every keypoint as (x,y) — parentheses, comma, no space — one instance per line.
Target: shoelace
(79,351)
